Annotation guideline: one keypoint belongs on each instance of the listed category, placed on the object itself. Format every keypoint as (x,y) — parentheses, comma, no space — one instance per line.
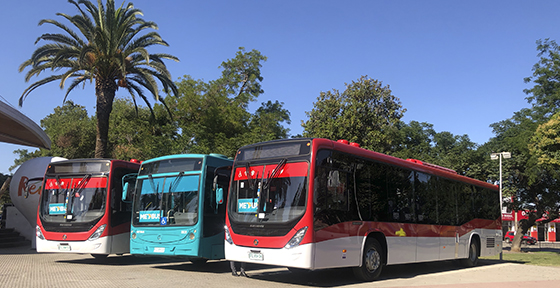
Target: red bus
(316,204)
(81,208)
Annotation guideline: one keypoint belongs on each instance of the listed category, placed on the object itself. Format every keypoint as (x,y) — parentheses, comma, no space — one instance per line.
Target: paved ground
(23,267)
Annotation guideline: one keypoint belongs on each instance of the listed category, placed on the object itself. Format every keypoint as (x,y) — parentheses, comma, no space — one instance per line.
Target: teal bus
(178,206)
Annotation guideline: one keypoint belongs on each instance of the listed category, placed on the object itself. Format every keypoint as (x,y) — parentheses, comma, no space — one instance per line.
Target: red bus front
(81,210)
(269,217)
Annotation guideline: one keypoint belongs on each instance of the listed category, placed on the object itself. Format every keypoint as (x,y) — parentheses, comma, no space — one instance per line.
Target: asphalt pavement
(24,267)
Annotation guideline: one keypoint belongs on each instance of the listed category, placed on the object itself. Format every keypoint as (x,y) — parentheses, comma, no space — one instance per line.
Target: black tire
(100,256)
(523,242)
(508,240)
(372,261)
(472,258)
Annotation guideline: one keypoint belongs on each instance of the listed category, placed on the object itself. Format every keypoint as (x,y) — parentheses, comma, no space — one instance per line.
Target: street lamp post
(496,156)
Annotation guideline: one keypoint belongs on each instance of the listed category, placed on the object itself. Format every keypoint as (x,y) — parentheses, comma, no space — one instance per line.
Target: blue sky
(458,65)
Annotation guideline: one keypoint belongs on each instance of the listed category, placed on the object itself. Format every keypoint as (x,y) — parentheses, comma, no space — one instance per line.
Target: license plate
(257,256)
(64,248)
(159,250)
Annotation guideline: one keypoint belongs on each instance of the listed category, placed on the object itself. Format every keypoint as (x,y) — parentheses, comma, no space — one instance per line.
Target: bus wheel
(472,258)
(100,256)
(372,261)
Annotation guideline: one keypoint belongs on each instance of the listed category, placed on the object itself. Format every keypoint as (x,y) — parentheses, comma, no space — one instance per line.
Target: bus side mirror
(124,192)
(219,196)
(127,194)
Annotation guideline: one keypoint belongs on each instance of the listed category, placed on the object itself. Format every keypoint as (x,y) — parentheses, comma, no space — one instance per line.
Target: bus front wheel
(100,256)
(372,261)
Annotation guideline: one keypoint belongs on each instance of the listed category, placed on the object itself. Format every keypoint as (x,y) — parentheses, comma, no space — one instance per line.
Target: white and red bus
(316,204)
(81,208)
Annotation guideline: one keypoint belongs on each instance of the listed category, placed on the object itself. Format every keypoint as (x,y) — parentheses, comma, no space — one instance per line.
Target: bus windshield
(76,199)
(273,193)
(170,200)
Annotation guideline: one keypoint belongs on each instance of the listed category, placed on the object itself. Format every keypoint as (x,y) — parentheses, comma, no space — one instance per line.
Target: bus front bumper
(297,257)
(99,246)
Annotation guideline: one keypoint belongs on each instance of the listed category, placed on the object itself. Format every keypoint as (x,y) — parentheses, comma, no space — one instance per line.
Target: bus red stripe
(65,183)
(290,170)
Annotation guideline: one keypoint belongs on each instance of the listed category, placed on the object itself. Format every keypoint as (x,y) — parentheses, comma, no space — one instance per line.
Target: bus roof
(355,149)
(175,156)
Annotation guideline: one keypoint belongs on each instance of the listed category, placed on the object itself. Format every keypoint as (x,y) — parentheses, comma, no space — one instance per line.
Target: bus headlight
(133,235)
(228,236)
(97,233)
(38,233)
(297,238)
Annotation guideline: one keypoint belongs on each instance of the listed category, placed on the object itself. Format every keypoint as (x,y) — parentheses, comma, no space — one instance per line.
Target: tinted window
(171,166)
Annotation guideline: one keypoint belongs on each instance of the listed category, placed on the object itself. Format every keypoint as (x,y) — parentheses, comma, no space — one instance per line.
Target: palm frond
(35,86)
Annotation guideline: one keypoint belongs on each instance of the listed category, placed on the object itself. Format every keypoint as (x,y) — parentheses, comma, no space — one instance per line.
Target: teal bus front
(176,208)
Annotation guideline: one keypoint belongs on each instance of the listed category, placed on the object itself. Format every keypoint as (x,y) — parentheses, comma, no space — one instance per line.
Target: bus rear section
(316,204)
(178,209)
(81,211)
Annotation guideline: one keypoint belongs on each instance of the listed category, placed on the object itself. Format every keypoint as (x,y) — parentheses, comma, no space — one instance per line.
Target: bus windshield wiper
(252,184)
(265,193)
(274,172)
(81,185)
(75,193)
(57,178)
(175,183)
(248,172)
(152,184)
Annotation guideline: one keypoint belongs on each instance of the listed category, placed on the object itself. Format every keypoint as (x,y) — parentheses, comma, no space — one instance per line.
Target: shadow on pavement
(218,266)
(124,260)
(345,276)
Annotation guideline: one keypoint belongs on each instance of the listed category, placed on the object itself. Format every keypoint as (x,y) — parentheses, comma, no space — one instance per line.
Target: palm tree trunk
(105,92)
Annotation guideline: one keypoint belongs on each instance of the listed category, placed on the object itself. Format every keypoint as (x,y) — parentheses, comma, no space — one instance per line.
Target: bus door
(336,220)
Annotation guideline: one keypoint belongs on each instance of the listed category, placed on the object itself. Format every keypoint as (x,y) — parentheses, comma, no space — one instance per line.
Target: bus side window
(400,195)
(337,188)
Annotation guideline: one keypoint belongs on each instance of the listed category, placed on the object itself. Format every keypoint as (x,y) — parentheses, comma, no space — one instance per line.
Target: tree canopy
(365,112)
(208,117)
(108,46)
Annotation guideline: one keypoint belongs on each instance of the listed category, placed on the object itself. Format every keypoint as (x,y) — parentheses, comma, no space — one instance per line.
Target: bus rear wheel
(372,261)
(472,258)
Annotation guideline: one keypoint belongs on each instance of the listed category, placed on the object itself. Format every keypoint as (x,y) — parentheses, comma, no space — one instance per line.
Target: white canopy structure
(17,128)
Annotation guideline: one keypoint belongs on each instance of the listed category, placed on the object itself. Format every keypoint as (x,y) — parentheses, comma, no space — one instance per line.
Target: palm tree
(110,50)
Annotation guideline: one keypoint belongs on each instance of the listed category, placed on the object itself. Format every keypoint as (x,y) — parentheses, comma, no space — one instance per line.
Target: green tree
(110,49)
(138,134)
(265,123)
(134,133)
(213,117)
(531,174)
(71,130)
(533,186)
(545,143)
(421,141)
(545,94)
(366,113)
